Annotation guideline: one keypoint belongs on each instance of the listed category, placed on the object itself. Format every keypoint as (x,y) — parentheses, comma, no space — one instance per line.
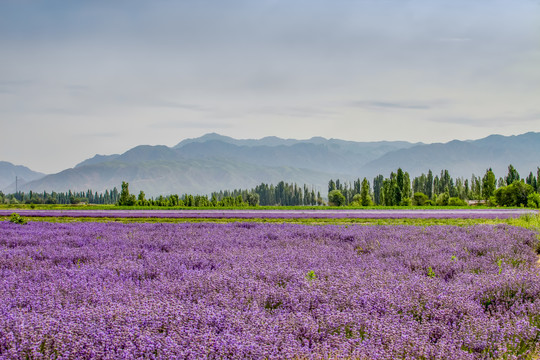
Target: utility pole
(16,185)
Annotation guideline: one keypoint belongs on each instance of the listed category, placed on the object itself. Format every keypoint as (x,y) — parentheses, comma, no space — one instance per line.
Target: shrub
(405,202)
(533,200)
(419,199)
(17,219)
(515,194)
(442,199)
(455,201)
(336,198)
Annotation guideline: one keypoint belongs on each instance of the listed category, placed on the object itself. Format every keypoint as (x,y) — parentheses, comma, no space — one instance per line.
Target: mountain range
(214,162)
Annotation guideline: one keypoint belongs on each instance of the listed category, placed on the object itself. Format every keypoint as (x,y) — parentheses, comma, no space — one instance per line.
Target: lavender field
(267,291)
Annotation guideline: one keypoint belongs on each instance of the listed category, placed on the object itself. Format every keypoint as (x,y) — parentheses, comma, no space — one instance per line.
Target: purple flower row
(275,291)
(301,214)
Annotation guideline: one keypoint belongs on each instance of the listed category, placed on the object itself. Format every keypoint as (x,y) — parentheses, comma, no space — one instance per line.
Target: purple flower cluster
(267,291)
(282,214)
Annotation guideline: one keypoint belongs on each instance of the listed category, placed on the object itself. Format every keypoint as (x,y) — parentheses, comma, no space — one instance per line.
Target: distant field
(272,208)
(484,213)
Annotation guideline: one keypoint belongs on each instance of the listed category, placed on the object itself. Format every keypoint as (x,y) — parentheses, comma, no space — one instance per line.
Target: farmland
(277,213)
(276,290)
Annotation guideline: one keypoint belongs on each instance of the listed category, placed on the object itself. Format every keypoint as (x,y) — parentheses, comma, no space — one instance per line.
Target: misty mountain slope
(308,156)
(330,155)
(463,158)
(377,148)
(8,173)
(182,176)
(97,159)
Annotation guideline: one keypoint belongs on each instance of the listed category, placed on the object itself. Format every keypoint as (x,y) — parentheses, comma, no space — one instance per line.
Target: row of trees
(188,200)
(396,190)
(282,194)
(70,197)
(442,189)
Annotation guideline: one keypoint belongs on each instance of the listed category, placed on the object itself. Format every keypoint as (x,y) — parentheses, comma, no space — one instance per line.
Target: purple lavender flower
(252,291)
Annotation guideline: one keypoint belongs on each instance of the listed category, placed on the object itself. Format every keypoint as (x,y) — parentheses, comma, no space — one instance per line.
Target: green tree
(533,200)
(443,199)
(365,198)
(515,194)
(253,199)
(378,190)
(331,185)
(538,179)
(400,184)
(419,199)
(336,198)
(429,184)
(125,198)
(141,200)
(512,176)
(406,188)
(531,180)
(489,183)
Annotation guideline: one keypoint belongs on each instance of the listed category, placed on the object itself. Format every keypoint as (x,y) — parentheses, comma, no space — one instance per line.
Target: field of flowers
(276,291)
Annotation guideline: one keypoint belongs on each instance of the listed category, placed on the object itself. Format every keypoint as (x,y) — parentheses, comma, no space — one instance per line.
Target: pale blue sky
(84,77)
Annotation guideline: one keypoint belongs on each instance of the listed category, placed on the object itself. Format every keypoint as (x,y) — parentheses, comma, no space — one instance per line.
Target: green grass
(532,224)
(115,207)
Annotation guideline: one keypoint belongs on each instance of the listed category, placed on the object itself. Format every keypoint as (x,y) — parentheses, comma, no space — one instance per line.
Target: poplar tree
(365,198)
(489,183)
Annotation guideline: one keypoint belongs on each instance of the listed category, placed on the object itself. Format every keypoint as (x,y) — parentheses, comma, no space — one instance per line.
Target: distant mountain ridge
(10,173)
(215,162)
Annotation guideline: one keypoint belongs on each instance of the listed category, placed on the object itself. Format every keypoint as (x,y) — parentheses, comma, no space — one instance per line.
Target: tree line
(70,197)
(399,190)
(282,194)
(396,190)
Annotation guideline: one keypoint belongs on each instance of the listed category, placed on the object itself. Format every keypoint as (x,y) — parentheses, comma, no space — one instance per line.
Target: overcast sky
(84,77)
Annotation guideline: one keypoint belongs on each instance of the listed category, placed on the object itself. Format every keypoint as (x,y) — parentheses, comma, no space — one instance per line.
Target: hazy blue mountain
(170,177)
(215,162)
(273,141)
(97,159)
(8,173)
(463,158)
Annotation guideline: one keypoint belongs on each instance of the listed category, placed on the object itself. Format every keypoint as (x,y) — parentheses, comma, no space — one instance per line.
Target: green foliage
(17,219)
(489,183)
(365,198)
(331,186)
(253,199)
(310,276)
(125,198)
(455,201)
(533,201)
(492,201)
(515,194)
(398,192)
(512,176)
(419,199)
(336,198)
(443,199)
(406,201)
(141,200)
